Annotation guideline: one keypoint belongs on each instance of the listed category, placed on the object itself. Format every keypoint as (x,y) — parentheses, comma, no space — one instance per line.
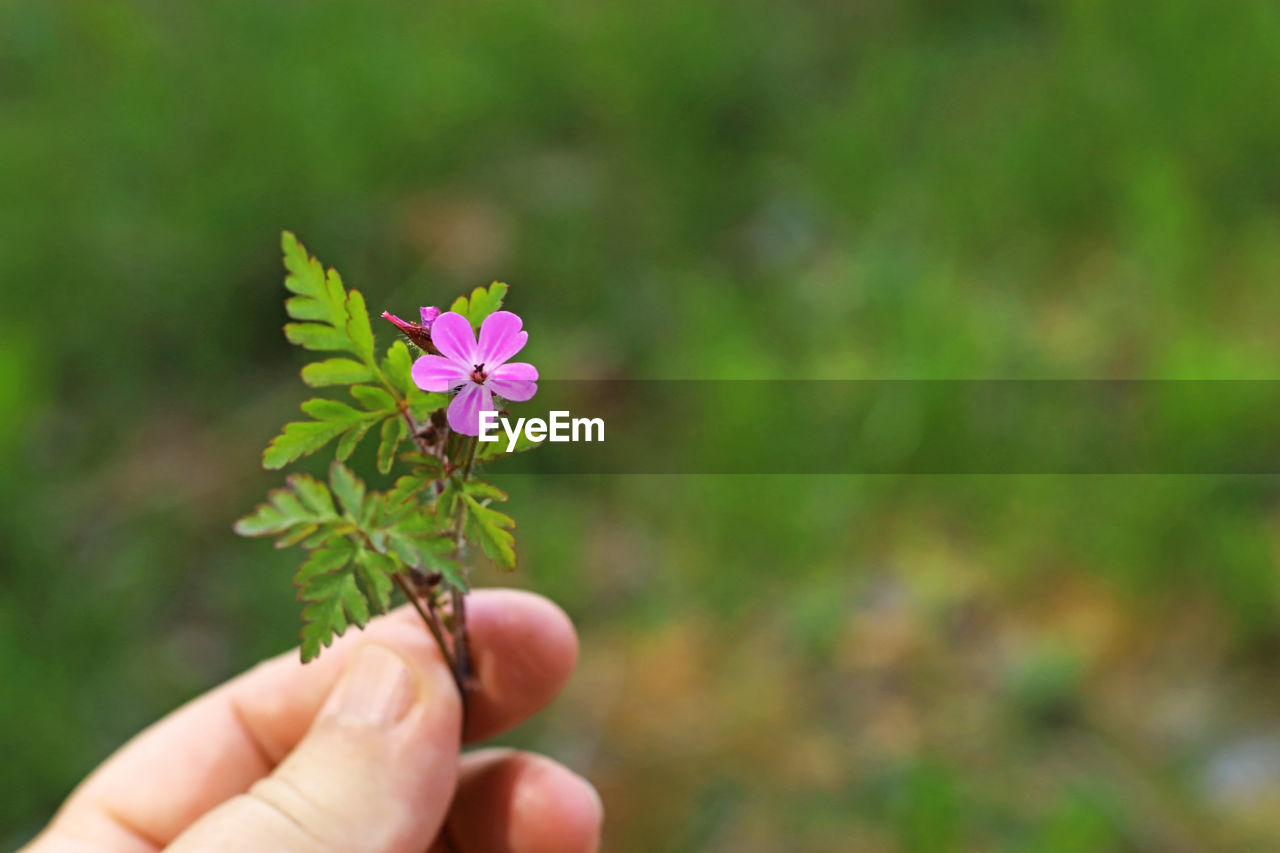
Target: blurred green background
(675,189)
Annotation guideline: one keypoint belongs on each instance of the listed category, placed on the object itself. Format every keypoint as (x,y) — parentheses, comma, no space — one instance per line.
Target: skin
(356,751)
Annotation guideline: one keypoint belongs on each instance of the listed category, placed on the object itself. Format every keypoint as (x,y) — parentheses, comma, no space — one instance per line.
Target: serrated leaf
(326,582)
(324,409)
(432,552)
(317,336)
(349,488)
(295,512)
(393,432)
(422,404)
(398,366)
(483,302)
(491,530)
(447,502)
(334,601)
(375,571)
(305,308)
(351,438)
(358,327)
(406,486)
(480,490)
(313,494)
(374,399)
(322,561)
(335,371)
(332,318)
(299,439)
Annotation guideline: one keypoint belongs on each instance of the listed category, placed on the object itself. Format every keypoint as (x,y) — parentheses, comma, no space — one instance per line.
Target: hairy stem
(461,639)
(432,623)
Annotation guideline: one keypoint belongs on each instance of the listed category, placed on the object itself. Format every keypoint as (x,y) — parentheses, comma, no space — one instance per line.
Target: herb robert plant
(363,544)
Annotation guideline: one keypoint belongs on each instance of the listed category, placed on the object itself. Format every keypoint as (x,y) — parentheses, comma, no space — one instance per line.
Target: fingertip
(530,649)
(519,802)
(550,789)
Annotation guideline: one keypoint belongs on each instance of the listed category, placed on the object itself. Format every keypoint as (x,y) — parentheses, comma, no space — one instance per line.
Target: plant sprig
(363,543)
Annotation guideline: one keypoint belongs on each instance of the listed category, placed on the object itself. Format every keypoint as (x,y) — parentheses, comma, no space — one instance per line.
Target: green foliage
(335,371)
(326,583)
(483,302)
(295,512)
(488,527)
(331,419)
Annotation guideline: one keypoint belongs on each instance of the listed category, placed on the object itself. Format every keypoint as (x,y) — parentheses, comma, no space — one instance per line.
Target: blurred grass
(1006,188)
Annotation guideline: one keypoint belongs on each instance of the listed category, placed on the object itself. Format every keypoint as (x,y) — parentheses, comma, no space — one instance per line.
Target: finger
(375,773)
(221,743)
(518,802)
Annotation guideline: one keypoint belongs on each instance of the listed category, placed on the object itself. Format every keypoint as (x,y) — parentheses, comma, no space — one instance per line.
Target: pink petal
(464,411)
(429,315)
(500,338)
(437,373)
(517,381)
(452,335)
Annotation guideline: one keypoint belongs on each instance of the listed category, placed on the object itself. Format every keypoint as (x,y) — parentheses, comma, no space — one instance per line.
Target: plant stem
(432,624)
(461,639)
(471,457)
(413,428)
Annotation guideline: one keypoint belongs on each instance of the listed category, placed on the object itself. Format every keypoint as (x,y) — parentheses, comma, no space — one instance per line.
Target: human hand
(356,751)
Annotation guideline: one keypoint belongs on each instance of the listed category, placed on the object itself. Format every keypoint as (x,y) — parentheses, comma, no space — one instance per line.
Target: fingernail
(376,690)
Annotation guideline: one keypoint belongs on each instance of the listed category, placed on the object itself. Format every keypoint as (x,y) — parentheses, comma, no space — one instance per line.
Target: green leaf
(333,601)
(358,327)
(332,418)
(447,502)
(428,550)
(374,399)
(398,366)
(299,439)
(324,409)
(322,561)
(316,336)
(326,583)
(295,512)
(393,432)
(491,530)
(422,404)
(483,302)
(331,317)
(350,438)
(424,464)
(349,488)
(335,371)
(313,494)
(375,571)
(480,490)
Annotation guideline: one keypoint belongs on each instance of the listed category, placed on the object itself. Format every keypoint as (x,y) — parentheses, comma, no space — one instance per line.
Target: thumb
(375,773)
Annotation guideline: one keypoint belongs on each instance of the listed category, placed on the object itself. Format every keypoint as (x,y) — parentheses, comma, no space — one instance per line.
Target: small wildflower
(479,372)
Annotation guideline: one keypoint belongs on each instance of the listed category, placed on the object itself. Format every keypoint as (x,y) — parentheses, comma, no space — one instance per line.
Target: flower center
(478,375)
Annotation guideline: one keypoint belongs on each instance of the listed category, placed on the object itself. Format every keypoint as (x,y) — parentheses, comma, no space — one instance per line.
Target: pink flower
(419,333)
(480,371)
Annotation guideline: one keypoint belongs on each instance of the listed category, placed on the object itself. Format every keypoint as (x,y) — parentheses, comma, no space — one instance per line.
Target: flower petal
(452,335)
(429,315)
(500,338)
(464,411)
(517,381)
(437,373)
